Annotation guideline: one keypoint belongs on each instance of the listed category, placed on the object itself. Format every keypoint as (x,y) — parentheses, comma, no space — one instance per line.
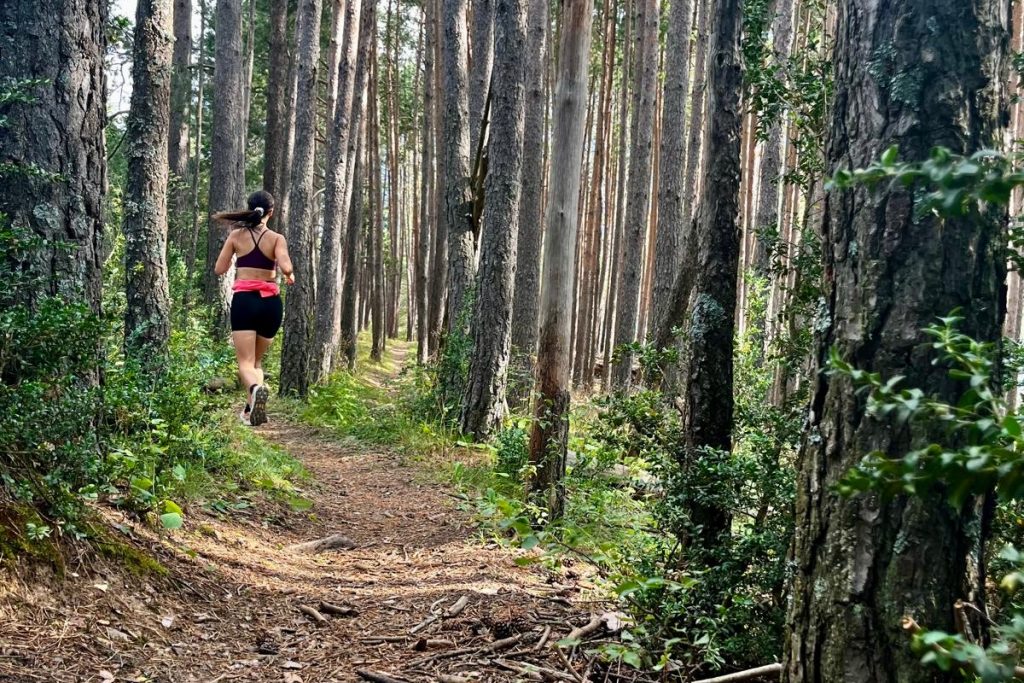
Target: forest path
(232,611)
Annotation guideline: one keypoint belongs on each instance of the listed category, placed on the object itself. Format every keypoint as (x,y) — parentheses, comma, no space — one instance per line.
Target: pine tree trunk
(278,104)
(483,406)
(376,228)
(353,255)
(147,323)
(426,221)
(439,256)
(296,350)
(549,437)
(695,145)
(526,298)
(458,196)
(341,148)
(639,189)
(192,241)
(338,36)
(480,64)
(61,43)
(178,139)
(862,563)
(672,158)
(247,85)
(227,149)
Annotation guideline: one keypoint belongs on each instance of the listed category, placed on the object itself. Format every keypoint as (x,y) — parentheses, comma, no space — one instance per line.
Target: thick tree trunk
(147,318)
(279,115)
(227,149)
(671,228)
(298,320)
(178,138)
(483,406)
(341,149)
(426,221)
(862,563)
(549,437)
(338,35)
(638,198)
(526,299)
(62,44)
(458,196)
(480,64)
(353,256)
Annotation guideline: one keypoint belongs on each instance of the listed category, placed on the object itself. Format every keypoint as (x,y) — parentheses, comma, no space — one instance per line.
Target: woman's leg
(262,344)
(245,350)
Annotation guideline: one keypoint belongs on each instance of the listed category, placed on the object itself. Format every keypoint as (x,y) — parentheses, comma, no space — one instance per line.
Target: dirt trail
(230,608)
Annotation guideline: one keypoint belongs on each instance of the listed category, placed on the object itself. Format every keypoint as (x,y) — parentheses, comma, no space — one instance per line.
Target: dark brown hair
(260,204)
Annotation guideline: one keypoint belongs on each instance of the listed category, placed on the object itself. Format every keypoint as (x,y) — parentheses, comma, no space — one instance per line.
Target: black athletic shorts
(252,311)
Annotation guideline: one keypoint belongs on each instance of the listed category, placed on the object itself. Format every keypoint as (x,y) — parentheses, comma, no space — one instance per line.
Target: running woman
(256,308)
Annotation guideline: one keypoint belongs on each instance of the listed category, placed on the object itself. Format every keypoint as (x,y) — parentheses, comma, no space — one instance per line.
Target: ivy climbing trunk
(147,317)
(862,563)
(550,433)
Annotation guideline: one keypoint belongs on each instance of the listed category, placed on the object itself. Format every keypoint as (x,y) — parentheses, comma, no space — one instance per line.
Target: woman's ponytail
(260,204)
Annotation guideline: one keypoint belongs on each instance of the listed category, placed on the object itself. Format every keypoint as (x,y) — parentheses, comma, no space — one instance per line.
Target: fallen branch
(767,670)
(448,678)
(320,619)
(378,677)
(506,643)
(583,631)
(332,542)
(543,672)
(543,639)
(456,609)
(338,610)
(423,624)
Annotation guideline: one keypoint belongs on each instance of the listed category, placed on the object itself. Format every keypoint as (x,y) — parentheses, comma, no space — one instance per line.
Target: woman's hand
(290,278)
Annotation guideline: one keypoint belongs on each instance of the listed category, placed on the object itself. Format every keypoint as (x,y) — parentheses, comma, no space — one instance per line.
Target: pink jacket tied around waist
(265,288)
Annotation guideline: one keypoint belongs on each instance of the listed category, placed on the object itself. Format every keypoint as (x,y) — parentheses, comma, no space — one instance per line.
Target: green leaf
(171,506)
(171,520)
(300,504)
(890,156)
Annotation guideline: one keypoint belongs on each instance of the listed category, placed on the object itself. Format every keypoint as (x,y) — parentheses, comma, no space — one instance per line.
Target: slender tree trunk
(394,268)
(376,229)
(639,191)
(439,259)
(673,158)
(278,101)
(178,138)
(335,47)
(483,406)
(341,149)
(480,64)
(862,563)
(250,53)
(197,158)
(426,222)
(526,297)
(227,149)
(694,146)
(296,351)
(458,196)
(549,437)
(147,318)
(61,44)
(353,256)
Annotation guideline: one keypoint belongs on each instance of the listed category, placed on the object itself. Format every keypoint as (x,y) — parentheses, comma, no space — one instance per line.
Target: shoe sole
(258,415)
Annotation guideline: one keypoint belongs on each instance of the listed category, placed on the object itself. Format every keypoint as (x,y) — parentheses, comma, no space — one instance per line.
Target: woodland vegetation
(719,297)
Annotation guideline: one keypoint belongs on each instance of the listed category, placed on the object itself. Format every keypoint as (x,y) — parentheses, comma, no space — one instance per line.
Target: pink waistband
(265,288)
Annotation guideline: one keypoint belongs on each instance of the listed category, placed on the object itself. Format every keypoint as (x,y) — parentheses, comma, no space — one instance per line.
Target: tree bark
(550,433)
(227,149)
(862,563)
(671,186)
(526,298)
(298,320)
(483,406)
(353,256)
(278,101)
(480,64)
(341,149)
(698,107)
(439,257)
(426,222)
(376,226)
(638,196)
(147,318)
(178,139)
(192,243)
(458,196)
(61,43)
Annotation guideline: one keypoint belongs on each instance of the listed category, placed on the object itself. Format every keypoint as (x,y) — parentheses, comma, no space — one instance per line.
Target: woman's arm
(284,261)
(224,258)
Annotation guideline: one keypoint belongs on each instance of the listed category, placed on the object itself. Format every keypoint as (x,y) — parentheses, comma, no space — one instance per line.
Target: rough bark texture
(337,191)
(526,300)
(353,258)
(672,159)
(698,107)
(439,256)
(192,240)
(376,226)
(917,73)
(458,195)
(549,437)
(147,318)
(483,406)
(181,98)
(298,320)
(426,222)
(62,42)
(278,100)
(227,149)
(638,196)
(480,64)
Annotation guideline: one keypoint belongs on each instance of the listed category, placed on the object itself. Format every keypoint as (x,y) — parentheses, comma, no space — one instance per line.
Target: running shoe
(258,415)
